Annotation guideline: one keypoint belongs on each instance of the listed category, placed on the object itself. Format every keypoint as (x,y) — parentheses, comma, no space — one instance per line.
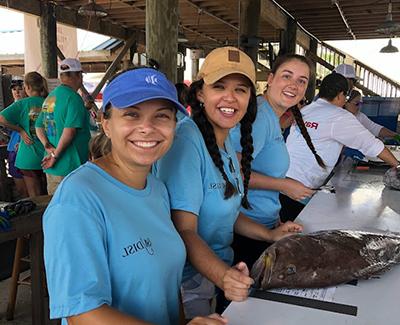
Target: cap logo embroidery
(152,79)
(64,67)
(233,56)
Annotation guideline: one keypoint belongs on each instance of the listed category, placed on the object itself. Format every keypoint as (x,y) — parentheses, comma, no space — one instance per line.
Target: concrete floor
(22,315)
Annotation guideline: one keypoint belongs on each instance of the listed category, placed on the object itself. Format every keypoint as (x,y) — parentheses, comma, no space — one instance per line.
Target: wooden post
(288,38)
(180,72)
(48,40)
(162,34)
(312,83)
(249,22)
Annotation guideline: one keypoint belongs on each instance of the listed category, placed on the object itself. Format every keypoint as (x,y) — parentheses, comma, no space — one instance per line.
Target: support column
(195,63)
(312,83)
(48,40)
(288,38)
(249,22)
(162,34)
(180,72)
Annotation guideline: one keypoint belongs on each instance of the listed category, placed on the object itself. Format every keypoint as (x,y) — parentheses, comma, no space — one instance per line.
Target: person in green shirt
(21,117)
(63,126)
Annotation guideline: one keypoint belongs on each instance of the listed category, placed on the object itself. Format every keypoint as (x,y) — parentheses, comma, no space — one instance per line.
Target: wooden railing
(372,82)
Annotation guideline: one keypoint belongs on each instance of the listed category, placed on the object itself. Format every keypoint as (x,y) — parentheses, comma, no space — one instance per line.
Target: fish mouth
(269,260)
(262,269)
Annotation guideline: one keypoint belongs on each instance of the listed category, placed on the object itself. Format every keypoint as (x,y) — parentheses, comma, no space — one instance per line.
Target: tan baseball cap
(224,61)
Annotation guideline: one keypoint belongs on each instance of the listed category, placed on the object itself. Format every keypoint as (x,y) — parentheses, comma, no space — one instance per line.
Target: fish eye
(281,276)
(291,269)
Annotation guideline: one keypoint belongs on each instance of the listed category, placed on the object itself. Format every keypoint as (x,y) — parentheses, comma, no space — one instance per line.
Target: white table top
(361,202)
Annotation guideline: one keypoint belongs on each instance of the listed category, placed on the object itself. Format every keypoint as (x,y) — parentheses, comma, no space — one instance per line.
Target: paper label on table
(323,294)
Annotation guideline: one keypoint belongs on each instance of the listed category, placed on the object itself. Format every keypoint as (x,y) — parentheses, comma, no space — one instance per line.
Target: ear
(270,78)
(105,125)
(200,95)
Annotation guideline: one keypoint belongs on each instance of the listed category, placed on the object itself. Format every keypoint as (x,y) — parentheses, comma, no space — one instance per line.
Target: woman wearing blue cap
(112,254)
(203,177)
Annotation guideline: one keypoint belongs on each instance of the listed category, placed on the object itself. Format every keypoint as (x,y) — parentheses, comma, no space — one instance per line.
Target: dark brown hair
(246,139)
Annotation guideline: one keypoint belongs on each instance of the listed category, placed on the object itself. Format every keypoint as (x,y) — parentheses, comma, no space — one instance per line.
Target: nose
(229,95)
(146,126)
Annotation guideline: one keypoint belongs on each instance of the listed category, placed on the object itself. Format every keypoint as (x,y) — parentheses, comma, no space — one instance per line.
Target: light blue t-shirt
(107,243)
(270,158)
(15,138)
(196,185)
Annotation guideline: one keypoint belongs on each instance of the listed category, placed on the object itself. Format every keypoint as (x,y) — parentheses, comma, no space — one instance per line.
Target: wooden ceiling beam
(70,17)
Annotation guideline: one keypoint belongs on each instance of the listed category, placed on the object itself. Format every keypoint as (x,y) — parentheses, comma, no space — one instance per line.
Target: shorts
(197,293)
(12,170)
(38,173)
(52,183)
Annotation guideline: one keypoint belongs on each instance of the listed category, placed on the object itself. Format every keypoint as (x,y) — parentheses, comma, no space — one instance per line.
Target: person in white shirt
(330,128)
(353,105)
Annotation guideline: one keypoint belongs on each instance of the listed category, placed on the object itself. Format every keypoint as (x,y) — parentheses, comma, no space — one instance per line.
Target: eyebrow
(171,108)
(291,72)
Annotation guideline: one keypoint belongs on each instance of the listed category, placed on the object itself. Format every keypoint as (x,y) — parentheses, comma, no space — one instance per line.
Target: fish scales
(325,258)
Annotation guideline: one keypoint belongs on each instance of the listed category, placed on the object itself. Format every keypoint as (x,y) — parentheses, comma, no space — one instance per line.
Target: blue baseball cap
(139,85)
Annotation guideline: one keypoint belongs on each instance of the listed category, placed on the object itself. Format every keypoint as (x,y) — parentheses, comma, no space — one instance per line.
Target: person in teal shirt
(21,117)
(112,254)
(203,177)
(63,126)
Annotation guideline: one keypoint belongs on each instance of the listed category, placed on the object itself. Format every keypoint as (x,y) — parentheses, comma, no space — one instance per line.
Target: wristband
(52,154)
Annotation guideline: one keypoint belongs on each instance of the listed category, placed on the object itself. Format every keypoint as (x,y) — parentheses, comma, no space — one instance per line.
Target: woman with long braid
(329,127)
(287,84)
(203,177)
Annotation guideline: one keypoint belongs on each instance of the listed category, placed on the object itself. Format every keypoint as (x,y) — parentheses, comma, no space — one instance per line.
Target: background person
(202,174)
(121,262)
(63,126)
(21,117)
(330,127)
(287,84)
(17,91)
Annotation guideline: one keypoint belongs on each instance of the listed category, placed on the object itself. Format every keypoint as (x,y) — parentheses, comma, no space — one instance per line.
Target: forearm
(104,315)
(42,137)
(386,133)
(247,227)
(263,182)
(388,157)
(66,138)
(10,126)
(203,258)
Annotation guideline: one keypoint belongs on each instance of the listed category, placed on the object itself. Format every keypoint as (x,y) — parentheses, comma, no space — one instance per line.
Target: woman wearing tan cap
(203,177)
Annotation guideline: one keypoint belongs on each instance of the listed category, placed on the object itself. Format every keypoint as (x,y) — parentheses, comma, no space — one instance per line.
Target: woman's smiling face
(288,85)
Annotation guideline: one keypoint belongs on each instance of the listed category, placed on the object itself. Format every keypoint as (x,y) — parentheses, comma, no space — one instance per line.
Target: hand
(48,162)
(236,282)
(25,137)
(213,319)
(286,229)
(353,153)
(296,190)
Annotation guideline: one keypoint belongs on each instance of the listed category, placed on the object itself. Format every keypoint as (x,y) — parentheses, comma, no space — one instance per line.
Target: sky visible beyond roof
(366,51)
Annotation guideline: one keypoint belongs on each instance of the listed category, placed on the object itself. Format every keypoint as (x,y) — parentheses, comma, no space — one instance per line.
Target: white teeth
(289,94)
(227,110)
(145,144)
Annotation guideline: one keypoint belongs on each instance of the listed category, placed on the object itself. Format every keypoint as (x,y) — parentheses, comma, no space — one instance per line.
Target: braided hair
(294,109)
(246,141)
(300,122)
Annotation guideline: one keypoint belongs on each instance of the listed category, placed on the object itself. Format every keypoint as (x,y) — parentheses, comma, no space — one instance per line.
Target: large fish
(325,258)
(392,178)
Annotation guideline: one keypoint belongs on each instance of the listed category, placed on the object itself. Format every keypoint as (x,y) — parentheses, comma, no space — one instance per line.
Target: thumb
(242,267)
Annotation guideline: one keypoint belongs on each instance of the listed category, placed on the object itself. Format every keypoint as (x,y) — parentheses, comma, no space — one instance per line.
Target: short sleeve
(76,262)
(13,113)
(76,113)
(181,171)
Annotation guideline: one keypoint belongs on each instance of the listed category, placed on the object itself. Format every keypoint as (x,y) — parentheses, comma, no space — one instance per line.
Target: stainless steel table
(361,202)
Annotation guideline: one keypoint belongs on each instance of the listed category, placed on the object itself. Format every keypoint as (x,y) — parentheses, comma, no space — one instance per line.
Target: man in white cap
(63,126)
(348,72)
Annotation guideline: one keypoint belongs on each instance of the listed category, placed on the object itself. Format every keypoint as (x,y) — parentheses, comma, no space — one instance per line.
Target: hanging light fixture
(389,48)
(388,27)
(92,9)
